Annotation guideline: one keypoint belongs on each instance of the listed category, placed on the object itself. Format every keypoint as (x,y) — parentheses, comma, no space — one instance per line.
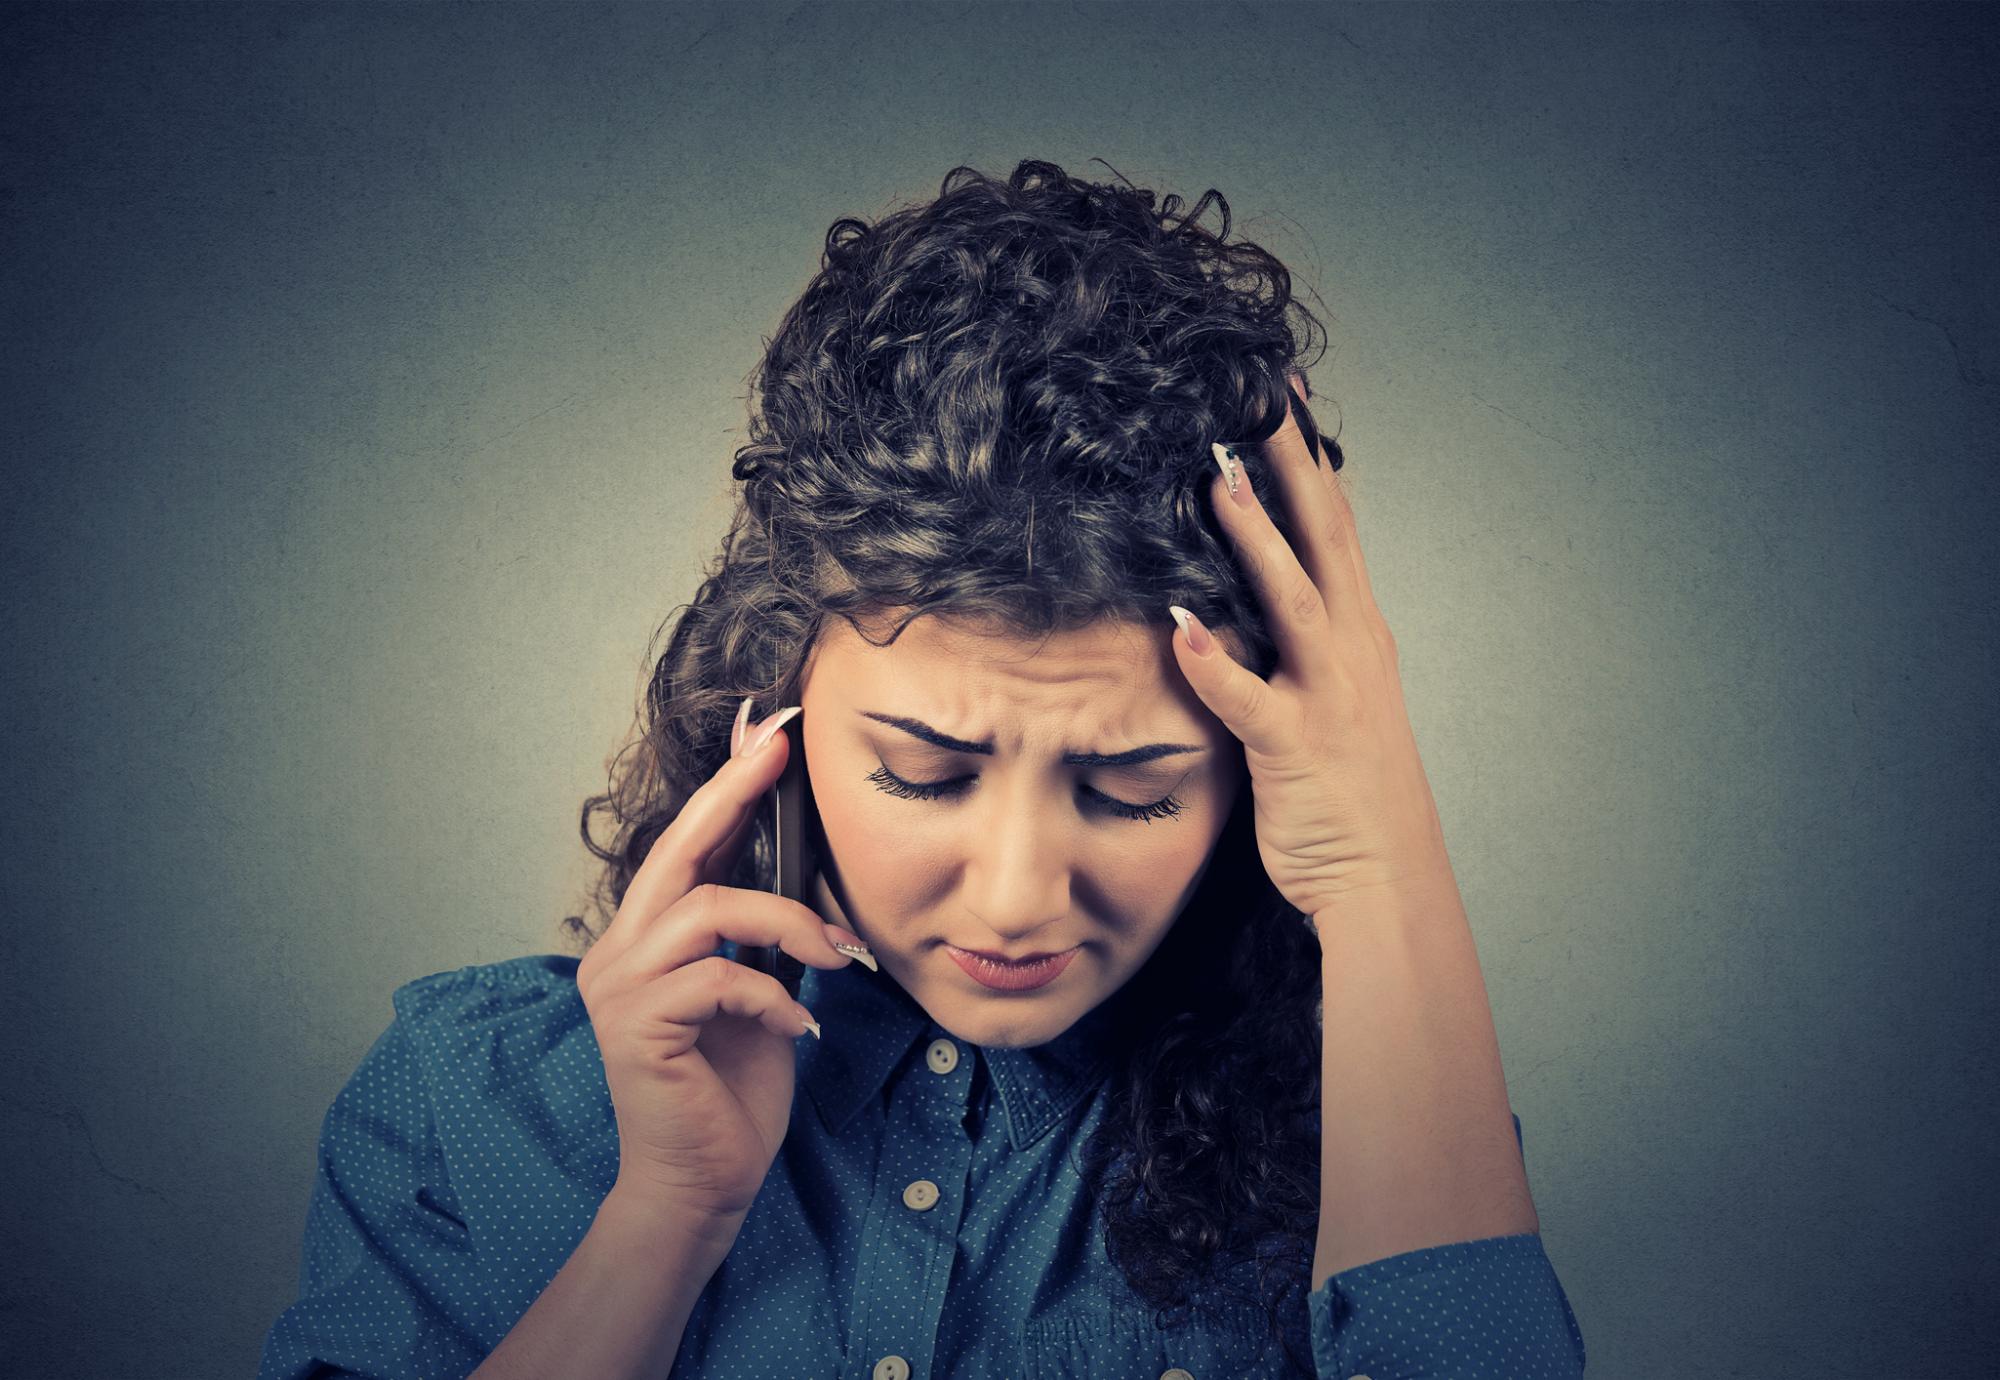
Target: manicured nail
(1231,466)
(851,945)
(1199,642)
(742,718)
(770,730)
(811,1024)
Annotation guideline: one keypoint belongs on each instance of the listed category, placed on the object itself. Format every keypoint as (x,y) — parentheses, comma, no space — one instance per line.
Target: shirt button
(892,1367)
(942,1056)
(921,1194)
(1175,1373)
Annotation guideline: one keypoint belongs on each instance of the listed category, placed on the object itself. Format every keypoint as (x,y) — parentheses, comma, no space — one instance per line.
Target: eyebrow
(1130,757)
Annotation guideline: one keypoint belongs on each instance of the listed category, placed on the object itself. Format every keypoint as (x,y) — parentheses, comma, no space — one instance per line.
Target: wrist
(1431,897)
(630,1215)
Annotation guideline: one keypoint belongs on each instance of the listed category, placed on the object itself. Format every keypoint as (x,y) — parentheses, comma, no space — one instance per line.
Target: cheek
(1149,872)
(854,813)
(878,848)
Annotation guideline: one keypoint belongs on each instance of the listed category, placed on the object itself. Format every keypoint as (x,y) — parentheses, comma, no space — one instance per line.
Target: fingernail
(851,945)
(1231,466)
(742,718)
(770,730)
(811,1024)
(1197,636)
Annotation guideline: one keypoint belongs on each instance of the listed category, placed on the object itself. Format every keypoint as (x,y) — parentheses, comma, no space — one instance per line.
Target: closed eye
(895,785)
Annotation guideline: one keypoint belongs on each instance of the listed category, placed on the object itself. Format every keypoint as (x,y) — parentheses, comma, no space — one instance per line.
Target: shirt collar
(872,1025)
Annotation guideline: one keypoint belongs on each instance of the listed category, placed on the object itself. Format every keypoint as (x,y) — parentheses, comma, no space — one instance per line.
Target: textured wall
(370,376)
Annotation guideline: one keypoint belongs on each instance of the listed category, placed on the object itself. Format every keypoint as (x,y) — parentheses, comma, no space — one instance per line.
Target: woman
(985,464)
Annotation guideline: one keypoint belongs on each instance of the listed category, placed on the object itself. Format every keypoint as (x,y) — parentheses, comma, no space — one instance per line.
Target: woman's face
(1020,852)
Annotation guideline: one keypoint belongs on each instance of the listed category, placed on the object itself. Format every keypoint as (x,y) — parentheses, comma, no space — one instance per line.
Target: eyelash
(895,785)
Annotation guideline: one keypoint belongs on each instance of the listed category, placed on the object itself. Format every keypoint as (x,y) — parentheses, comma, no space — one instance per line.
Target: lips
(1003,976)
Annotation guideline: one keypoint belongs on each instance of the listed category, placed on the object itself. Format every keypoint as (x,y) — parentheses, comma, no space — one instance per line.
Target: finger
(1299,619)
(1340,488)
(694,927)
(714,813)
(668,1013)
(722,862)
(1318,528)
(1247,706)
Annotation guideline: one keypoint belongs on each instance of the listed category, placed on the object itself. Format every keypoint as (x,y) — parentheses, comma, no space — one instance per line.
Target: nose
(1016,876)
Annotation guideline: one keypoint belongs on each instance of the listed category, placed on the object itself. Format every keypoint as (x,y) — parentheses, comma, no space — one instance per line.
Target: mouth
(1000,974)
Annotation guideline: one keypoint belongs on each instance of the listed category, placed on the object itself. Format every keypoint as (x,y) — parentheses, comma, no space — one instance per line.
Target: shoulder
(487,1085)
(510,1070)
(509,1016)
(509,983)
(455,1038)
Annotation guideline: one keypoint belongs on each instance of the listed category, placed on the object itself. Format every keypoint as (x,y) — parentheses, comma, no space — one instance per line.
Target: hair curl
(997,406)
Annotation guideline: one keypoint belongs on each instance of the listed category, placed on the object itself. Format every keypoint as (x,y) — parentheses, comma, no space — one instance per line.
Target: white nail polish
(858,953)
(1226,459)
(778,721)
(742,718)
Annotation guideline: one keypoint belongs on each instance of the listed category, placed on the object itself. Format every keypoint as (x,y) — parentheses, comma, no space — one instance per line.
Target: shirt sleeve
(1461,1311)
(386,1267)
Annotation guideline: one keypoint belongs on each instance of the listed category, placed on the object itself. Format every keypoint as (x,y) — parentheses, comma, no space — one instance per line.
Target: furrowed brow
(916,728)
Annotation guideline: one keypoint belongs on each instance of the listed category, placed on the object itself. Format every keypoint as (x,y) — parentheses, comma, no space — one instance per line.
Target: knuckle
(602,1013)
(590,971)
(1303,602)
(719,974)
(1324,664)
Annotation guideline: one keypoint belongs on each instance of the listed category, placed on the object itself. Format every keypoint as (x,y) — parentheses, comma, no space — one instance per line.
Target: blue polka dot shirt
(925,1205)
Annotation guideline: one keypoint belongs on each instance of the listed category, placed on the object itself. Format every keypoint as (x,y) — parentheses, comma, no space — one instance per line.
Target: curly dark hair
(998,405)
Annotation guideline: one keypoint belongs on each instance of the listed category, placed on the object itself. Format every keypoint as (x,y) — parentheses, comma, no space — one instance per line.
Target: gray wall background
(371,375)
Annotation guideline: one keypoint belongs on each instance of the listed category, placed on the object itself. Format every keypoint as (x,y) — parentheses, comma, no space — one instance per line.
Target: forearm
(1417,1143)
(618,1306)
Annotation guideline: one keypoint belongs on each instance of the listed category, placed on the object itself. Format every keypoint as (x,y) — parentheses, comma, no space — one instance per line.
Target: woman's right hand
(698,1049)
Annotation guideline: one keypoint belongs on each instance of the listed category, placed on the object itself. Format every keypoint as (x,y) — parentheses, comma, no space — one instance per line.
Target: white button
(942,1056)
(922,1194)
(1175,1373)
(892,1367)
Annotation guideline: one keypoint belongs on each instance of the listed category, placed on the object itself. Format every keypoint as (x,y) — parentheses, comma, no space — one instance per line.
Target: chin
(1003,1032)
(1003,1022)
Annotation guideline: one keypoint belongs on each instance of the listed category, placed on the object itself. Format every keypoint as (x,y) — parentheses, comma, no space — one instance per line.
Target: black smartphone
(797,855)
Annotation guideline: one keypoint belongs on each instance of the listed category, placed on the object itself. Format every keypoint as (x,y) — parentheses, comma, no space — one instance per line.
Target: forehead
(1097,687)
(1110,654)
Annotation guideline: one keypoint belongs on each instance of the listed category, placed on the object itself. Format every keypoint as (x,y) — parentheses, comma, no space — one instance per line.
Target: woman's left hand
(1342,804)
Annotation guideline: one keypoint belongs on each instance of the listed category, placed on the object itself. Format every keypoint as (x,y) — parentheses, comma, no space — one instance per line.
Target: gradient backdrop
(371,375)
